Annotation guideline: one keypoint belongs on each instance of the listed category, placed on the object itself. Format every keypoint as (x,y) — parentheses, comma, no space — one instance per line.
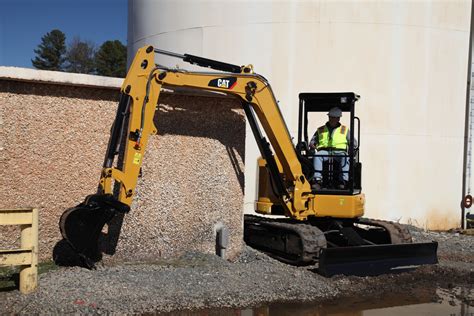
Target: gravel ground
(198,281)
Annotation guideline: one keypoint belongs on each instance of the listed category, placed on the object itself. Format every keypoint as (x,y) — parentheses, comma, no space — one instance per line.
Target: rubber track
(398,233)
(312,238)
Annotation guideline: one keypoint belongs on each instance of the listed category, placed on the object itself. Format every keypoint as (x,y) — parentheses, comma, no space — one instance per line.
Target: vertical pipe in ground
(468,128)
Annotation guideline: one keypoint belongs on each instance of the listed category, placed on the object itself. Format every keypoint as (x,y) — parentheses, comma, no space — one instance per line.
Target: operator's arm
(314,141)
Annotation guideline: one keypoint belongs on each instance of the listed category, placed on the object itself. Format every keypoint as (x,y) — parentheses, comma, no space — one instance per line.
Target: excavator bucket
(82,225)
(376,259)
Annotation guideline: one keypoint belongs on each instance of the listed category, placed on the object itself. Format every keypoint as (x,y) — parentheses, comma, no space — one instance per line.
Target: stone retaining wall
(53,141)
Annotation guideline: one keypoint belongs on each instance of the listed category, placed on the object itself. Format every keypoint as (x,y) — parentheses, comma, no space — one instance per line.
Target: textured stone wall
(53,140)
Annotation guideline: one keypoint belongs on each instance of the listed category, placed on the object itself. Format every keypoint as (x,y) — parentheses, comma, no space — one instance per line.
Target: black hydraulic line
(203,62)
(116,133)
(164,52)
(214,64)
(145,102)
(266,152)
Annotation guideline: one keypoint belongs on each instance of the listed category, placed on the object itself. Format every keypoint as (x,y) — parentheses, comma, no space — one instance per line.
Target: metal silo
(407,59)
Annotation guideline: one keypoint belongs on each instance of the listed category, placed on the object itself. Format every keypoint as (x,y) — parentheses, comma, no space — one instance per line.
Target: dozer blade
(376,259)
(81,225)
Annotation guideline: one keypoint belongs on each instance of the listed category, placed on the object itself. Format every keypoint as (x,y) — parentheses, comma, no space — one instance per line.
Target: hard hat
(335,112)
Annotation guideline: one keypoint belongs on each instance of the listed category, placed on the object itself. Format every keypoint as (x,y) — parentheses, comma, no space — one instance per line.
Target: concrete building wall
(407,59)
(54,131)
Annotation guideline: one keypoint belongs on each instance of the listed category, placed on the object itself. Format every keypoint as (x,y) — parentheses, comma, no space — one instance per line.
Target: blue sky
(24,22)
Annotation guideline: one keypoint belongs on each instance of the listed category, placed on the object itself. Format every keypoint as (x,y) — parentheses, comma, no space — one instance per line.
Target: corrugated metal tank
(407,59)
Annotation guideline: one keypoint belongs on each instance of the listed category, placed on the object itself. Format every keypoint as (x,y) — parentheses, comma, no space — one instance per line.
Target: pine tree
(111,59)
(51,52)
(80,56)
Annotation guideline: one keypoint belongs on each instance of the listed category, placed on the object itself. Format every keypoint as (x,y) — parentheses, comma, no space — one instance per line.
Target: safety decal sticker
(226,83)
(137,158)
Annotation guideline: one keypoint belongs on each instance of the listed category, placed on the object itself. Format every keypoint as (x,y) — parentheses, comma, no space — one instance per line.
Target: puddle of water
(443,302)
(426,302)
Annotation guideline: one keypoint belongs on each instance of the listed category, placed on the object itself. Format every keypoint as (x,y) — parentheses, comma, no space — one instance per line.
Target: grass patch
(46,266)
(10,276)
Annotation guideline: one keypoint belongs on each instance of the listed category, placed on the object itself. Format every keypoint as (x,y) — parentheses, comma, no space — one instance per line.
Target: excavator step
(376,259)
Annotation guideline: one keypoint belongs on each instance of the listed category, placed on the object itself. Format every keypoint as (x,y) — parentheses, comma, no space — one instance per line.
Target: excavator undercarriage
(361,247)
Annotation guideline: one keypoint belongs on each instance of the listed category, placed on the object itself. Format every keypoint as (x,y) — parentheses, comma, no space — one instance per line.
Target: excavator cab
(340,172)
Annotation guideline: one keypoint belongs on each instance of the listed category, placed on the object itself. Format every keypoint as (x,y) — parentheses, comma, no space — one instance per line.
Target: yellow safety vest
(337,141)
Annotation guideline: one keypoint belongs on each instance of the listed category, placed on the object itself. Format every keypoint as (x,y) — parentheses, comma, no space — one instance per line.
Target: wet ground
(436,301)
(427,301)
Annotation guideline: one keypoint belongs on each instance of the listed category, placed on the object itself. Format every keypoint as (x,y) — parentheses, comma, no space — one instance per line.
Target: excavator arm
(140,95)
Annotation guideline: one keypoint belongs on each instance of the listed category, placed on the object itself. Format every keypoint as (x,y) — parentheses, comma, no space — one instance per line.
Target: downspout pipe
(467,159)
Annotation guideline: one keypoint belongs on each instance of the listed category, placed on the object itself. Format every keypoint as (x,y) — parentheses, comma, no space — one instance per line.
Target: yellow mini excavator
(321,224)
